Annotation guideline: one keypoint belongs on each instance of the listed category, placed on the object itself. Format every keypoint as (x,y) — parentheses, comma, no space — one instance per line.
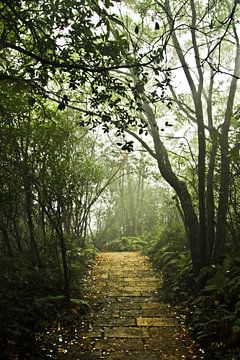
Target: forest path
(130,321)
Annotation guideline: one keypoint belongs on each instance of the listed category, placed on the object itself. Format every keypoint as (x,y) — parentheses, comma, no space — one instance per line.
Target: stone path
(130,321)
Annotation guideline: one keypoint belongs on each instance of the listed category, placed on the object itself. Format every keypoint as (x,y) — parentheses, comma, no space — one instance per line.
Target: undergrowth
(31,299)
(126,243)
(210,304)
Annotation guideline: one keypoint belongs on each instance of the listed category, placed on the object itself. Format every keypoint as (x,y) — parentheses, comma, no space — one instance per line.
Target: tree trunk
(64,262)
(225,164)
(17,236)
(210,198)
(210,201)
(28,197)
(6,242)
(197,247)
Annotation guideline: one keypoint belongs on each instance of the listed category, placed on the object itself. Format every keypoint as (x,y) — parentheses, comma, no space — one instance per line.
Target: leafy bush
(80,260)
(21,310)
(215,313)
(31,298)
(211,302)
(171,256)
(126,243)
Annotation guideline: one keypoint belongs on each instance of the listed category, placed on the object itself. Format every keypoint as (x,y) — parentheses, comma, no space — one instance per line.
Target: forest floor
(129,319)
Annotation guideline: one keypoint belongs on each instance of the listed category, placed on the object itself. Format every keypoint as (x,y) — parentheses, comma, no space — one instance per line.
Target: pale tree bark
(210,201)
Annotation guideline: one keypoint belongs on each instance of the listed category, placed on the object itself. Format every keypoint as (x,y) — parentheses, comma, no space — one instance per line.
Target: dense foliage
(209,304)
(160,77)
(45,174)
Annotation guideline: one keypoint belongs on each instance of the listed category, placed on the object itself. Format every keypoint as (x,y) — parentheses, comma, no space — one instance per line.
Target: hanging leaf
(31,101)
(61,106)
(137,29)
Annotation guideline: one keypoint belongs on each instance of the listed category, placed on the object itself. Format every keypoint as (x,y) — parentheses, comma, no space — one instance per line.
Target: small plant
(171,256)
(210,303)
(126,243)
(215,313)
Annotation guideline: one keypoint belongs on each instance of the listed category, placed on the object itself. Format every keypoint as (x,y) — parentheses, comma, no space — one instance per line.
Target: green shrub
(171,256)
(215,313)
(126,243)
(31,298)
(211,302)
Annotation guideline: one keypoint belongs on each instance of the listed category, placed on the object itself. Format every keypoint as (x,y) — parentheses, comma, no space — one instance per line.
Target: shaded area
(128,320)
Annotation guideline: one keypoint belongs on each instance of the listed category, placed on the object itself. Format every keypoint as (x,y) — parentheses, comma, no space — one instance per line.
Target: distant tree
(130,204)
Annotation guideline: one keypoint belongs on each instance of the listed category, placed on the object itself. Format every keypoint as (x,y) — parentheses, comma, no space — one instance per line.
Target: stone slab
(155,321)
(123,293)
(155,305)
(118,344)
(133,355)
(125,332)
(119,321)
(160,331)
(133,312)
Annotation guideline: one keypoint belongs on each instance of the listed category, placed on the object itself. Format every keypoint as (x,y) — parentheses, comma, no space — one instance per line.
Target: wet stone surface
(129,320)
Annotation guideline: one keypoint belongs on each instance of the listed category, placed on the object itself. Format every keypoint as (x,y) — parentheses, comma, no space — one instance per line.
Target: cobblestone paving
(129,319)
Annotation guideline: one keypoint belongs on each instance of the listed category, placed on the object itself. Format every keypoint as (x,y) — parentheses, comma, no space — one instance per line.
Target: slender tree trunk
(139,196)
(210,198)
(29,209)
(27,184)
(66,279)
(17,236)
(225,164)
(210,201)
(6,242)
(196,90)
(43,225)
(197,99)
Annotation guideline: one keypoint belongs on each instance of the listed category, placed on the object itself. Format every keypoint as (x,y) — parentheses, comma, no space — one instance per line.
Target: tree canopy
(116,116)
